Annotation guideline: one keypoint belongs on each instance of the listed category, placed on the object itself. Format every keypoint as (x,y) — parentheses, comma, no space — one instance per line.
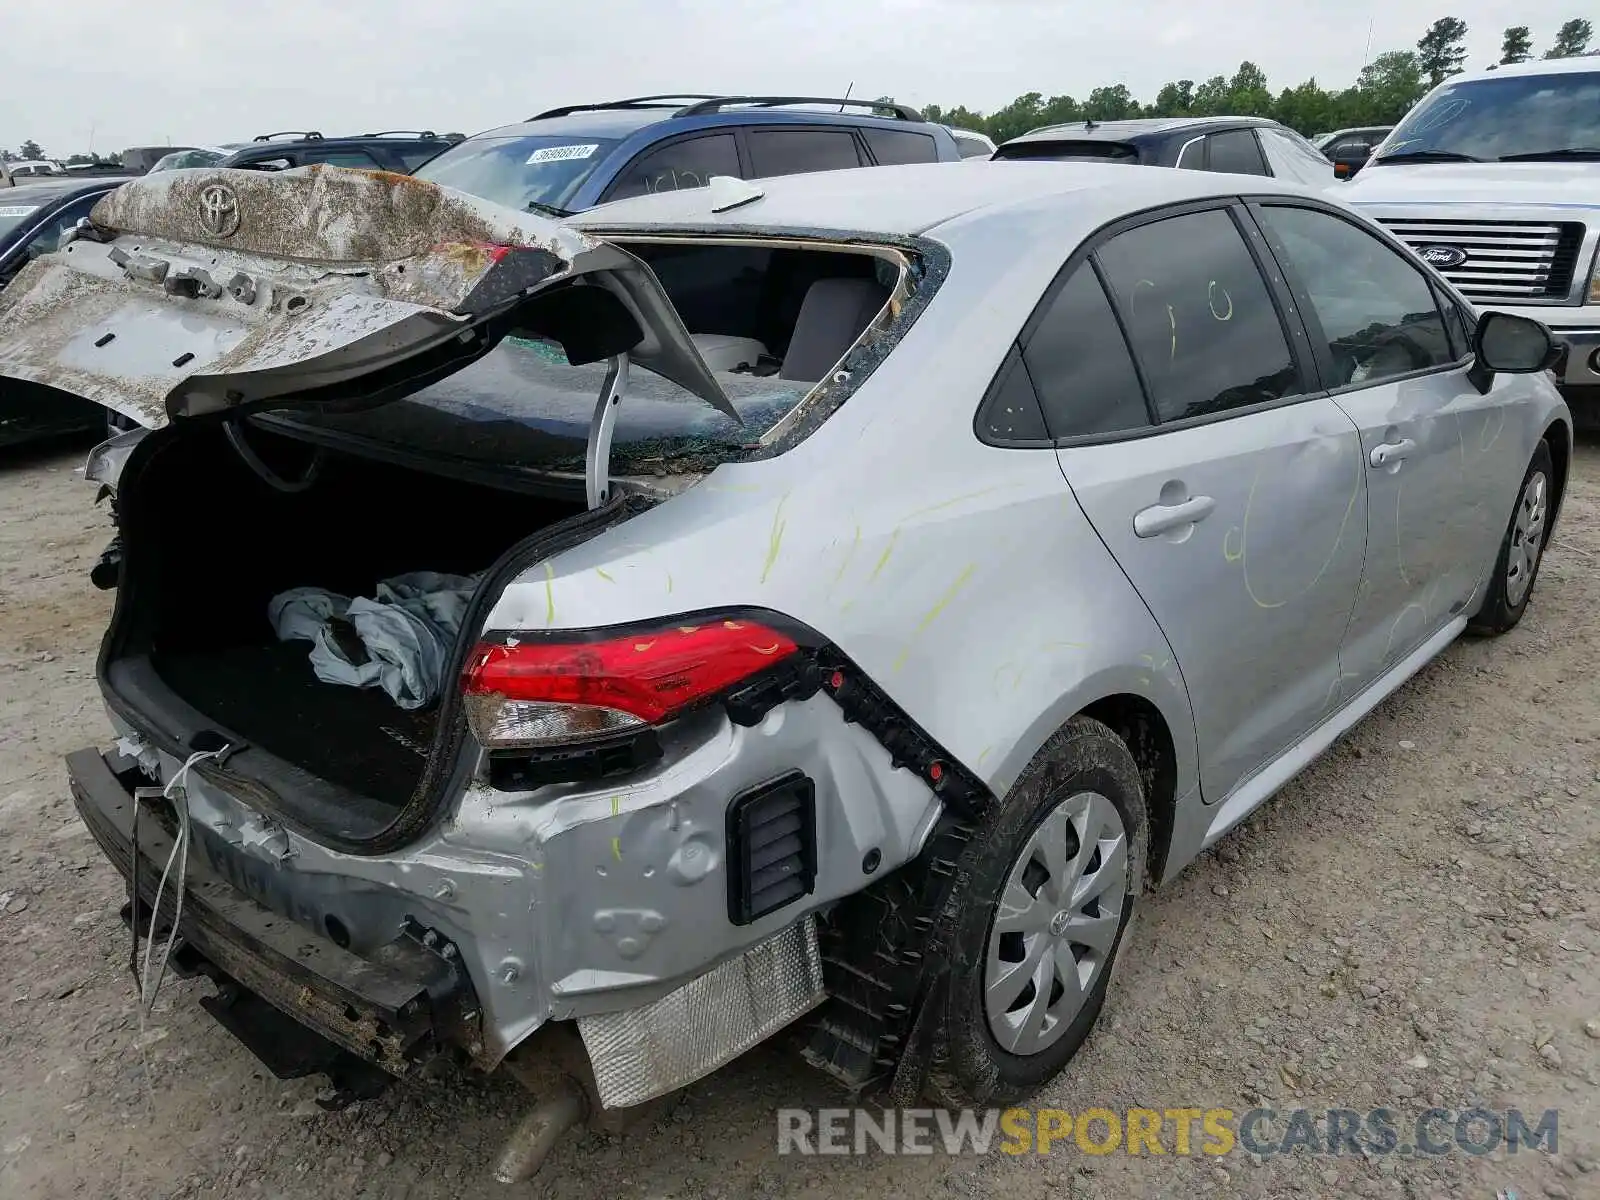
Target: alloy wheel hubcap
(1056,923)
(1527,538)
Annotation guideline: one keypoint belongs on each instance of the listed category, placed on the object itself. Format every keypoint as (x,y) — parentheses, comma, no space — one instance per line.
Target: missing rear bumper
(392,1009)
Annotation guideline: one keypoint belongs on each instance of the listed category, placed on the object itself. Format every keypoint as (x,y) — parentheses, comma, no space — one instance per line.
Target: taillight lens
(542,693)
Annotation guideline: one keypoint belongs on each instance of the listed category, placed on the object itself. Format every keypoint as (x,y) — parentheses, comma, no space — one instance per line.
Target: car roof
(348,139)
(1534,66)
(1132,130)
(623,119)
(50,190)
(901,201)
(606,123)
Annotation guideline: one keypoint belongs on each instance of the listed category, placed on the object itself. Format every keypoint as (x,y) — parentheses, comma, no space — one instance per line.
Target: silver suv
(865,586)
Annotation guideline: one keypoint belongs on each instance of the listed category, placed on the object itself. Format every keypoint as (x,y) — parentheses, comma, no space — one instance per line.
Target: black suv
(399,150)
(1233,145)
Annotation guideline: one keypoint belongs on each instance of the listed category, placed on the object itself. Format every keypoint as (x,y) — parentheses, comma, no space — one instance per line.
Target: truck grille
(1527,262)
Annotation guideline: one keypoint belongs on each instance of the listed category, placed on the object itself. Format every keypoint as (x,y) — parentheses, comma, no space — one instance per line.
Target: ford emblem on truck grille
(1443,257)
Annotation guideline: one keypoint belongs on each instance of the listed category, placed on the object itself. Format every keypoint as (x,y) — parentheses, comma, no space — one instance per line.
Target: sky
(109,74)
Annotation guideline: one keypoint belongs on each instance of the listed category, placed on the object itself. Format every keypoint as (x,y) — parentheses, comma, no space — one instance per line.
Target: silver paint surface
(992,593)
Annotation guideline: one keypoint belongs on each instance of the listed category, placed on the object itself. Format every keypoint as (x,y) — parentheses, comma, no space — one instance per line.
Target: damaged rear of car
(410,821)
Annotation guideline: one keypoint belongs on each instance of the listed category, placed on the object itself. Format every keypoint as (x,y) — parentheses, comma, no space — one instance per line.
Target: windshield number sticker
(561,153)
(17,210)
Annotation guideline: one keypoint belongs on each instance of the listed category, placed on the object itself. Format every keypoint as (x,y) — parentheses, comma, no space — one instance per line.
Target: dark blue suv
(572,158)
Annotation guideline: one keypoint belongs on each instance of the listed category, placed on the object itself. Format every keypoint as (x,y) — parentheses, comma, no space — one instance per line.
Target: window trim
(1177,162)
(608,192)
(1313,323)
(1295,334)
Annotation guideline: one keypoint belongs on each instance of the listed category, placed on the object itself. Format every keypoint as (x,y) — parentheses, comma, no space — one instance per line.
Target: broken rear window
(771,322)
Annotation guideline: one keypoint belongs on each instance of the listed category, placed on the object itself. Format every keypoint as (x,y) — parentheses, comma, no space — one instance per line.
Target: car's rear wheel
(1521,550)
(1046,892)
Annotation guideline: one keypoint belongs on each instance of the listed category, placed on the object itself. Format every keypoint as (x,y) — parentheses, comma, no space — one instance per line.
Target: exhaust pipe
(537,1134)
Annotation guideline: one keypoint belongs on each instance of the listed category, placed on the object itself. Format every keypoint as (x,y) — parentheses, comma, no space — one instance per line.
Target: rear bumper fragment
(392,1008)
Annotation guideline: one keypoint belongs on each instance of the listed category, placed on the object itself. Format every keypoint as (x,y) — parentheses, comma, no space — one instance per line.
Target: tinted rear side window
(1010,412)
(1080,366)
(1193,155)
(1203,325)
(891,147)
(689,163)
(801,151)
(414,157)
(1235,152)
(359,159)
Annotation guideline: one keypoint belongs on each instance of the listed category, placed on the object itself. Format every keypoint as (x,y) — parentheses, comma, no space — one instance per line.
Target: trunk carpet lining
(357,738)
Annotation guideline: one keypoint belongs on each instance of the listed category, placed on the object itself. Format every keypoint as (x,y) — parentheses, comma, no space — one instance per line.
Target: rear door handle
(1163,518)
(1391,452)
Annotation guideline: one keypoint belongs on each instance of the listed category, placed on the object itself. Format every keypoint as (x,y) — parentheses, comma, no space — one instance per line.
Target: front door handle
(1163,518)
(1390,453)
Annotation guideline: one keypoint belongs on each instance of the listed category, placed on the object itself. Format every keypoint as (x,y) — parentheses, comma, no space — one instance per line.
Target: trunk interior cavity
(209,544)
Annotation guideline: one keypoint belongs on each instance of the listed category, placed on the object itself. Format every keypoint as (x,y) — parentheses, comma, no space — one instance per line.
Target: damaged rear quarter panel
(962,578)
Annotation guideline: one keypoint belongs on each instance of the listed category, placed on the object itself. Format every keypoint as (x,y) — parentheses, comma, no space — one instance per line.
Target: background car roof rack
(666,100)
(294,134)
(902,112)
(407,133)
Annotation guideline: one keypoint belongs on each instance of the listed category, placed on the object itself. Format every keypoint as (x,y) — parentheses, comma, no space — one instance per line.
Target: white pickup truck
(1494,179)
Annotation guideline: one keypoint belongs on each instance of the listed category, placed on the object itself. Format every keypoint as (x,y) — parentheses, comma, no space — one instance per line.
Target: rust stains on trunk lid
(207,290)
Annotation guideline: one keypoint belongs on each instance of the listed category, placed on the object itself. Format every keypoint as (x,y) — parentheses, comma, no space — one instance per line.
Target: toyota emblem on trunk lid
(219,210)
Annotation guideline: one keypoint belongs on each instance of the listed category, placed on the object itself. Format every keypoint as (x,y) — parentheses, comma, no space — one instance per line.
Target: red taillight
(544,693)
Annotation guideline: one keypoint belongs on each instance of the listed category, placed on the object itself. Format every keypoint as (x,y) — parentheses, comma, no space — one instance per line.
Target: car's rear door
(1438,489)
(1228,490)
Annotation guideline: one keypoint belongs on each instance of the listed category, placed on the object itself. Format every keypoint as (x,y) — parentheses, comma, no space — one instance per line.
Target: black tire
(1499,613)
(967,1065)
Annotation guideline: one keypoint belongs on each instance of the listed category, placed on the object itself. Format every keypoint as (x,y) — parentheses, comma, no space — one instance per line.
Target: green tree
(30,149)
(1211,97)
(1442,50)
(1307,109)
(1060,110)
(1572,39)
(1174,99)
(960,116)
(1015,119)
(1387,87)
(1247,92)
(1111,103)
(1517,45)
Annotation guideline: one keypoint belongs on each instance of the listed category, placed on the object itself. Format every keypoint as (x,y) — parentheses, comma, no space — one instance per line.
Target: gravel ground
(1414,921)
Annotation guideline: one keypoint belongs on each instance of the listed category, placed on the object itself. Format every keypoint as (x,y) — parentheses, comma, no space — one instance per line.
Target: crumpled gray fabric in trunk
(399,641)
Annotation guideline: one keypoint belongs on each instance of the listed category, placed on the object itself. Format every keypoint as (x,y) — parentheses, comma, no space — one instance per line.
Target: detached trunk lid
(220,291)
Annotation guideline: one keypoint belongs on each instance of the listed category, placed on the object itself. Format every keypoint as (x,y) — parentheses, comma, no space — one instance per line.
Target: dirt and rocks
(1414,922)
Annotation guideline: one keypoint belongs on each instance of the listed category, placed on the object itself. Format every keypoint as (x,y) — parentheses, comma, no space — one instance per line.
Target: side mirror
(1512,344)
(1350,159)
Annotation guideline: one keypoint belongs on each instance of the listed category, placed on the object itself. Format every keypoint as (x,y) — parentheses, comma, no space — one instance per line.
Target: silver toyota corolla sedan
(839,597)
